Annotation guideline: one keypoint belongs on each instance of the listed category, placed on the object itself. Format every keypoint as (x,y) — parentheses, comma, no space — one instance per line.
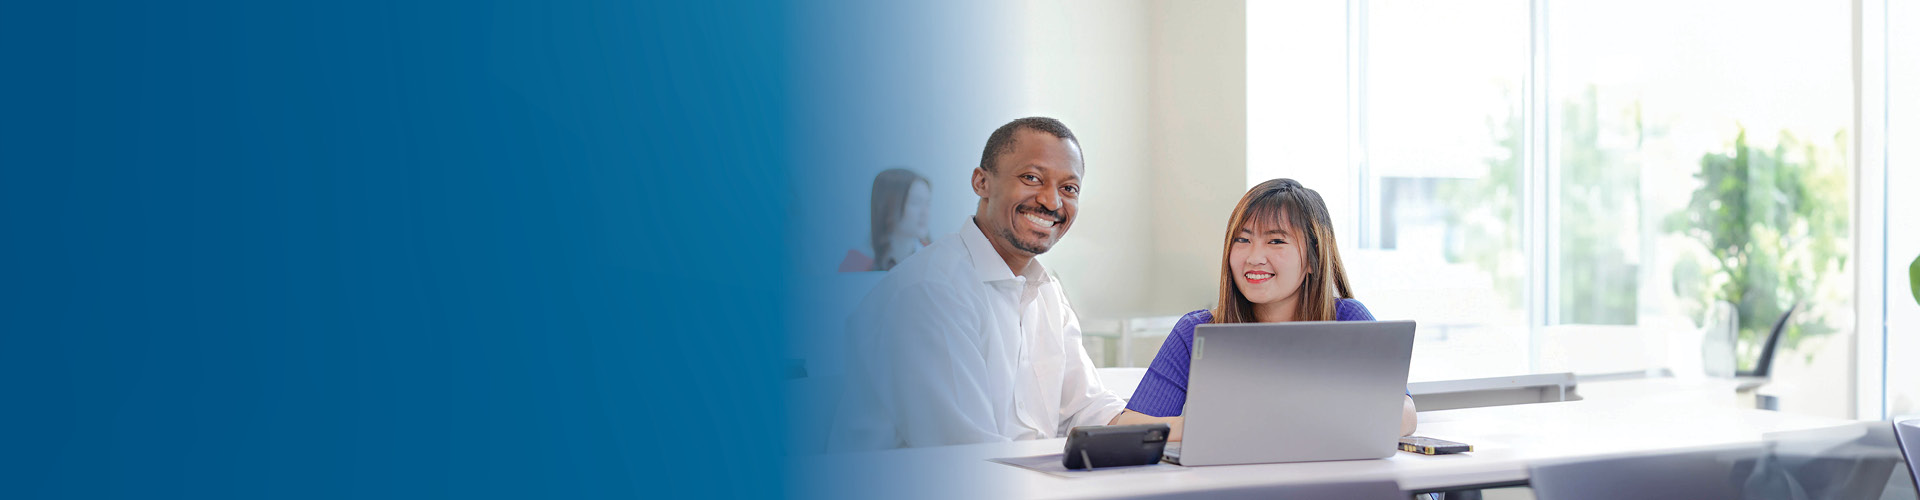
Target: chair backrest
(1856,460)
(1908,433)
(1764,366)
(1666,476)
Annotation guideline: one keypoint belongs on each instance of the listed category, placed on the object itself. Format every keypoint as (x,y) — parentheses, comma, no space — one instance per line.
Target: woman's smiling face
(1267,264)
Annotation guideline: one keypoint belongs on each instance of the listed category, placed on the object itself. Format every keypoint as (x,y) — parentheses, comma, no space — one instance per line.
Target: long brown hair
(1325,284)
(889,196)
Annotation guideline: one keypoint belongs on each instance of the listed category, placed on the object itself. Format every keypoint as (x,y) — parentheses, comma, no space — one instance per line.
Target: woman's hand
(1175,423)
(1408,420)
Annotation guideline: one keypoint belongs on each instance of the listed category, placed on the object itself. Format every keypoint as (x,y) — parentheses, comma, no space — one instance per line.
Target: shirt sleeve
(1351,310)
(1083,399)
(1163,390)
(921,373)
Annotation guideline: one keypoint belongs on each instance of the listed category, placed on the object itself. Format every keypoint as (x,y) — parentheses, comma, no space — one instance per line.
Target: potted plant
(1771,224)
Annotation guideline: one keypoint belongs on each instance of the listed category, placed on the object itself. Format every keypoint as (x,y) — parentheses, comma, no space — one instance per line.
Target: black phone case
(1431,446)
(1115,445)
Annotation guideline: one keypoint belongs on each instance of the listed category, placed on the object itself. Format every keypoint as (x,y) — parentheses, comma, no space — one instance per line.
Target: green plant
(1913,278)
(1773,222)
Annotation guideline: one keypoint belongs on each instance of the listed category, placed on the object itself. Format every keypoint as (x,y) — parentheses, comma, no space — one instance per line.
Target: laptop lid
(1295,392)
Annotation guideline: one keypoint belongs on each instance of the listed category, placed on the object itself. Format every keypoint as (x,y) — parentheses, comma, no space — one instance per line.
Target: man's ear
(980,182)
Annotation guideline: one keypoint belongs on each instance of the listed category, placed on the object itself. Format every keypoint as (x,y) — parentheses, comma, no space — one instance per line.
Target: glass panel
(1441,221)
(1902,189)
(1701,153)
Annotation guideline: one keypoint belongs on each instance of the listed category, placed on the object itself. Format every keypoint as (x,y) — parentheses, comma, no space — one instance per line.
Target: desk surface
(1506,440)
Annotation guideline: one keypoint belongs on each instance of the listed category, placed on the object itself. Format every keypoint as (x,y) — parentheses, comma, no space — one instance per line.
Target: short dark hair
(1001,141)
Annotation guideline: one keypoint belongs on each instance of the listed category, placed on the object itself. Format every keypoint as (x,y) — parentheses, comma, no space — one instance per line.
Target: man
(970,340)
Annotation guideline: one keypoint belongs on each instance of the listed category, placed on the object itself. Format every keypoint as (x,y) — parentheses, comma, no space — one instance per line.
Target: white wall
(1199,147)
(1086,63)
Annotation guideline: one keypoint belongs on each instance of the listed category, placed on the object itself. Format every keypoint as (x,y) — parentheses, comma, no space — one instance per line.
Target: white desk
(1506,440)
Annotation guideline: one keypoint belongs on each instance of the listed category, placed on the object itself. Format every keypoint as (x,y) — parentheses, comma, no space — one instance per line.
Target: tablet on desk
(1094,446)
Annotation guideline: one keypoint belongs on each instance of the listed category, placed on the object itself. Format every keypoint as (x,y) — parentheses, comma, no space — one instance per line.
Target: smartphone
(1431,446)
(1095,446)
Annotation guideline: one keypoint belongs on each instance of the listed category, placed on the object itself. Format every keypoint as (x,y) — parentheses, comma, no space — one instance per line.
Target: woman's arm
(1131,417)
(1163,389)
(1408,421)
(1353,310)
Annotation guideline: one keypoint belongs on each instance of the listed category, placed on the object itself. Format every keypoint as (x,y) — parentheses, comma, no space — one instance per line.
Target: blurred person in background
(899,216)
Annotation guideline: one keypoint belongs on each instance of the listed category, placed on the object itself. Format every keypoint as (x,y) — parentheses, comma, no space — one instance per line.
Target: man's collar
(987,264)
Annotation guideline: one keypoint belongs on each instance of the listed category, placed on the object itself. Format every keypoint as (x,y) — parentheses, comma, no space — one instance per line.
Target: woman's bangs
(1269,210)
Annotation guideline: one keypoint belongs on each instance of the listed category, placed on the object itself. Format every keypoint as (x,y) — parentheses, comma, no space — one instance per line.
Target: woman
(899,212)
(1280,263)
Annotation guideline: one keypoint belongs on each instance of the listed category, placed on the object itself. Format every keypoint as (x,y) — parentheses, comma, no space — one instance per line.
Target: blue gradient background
(876,85)
(385,250)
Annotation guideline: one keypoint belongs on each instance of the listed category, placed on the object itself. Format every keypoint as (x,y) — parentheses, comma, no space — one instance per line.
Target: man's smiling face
(1032,194)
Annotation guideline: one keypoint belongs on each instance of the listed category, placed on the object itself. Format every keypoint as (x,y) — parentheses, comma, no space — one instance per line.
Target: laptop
(1294,392)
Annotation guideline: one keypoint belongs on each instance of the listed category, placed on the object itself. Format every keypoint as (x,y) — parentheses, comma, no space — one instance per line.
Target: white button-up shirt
(953,348)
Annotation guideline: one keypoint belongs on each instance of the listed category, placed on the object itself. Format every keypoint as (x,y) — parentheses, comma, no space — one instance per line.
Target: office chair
(1764,366)
(1908,434)
(1856,460)
(1665,476)
(1762,370)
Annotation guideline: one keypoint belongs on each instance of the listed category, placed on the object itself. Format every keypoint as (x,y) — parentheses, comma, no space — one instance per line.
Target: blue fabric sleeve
(1163,390)
(1351,310)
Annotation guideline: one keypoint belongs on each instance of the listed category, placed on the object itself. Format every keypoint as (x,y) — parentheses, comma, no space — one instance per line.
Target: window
(1438,173)
(1574,185)
(1701,157)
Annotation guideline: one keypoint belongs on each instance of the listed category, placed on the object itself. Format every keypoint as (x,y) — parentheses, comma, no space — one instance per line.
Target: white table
(1506,440)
